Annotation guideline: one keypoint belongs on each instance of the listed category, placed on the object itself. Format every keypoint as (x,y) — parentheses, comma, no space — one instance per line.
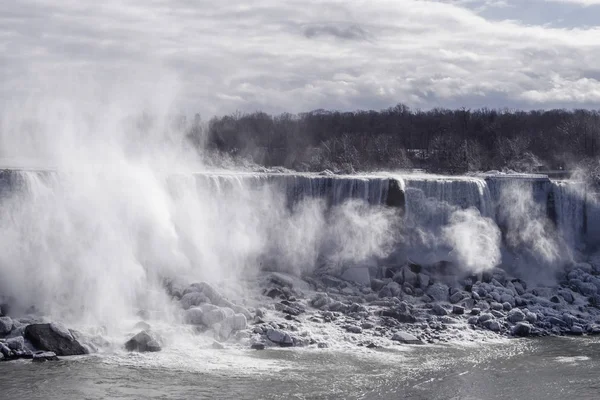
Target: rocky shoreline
(409,304)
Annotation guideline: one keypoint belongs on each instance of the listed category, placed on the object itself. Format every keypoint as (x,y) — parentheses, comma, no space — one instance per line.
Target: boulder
(279,337)
(459,310)
(236,322)
(142,342)
(484,318)
(437,309)
(53,337)
(16,343)
(353,329)
(213,316)
(192,299)
(6,325)
(492,325)
(193,316)
(406,338)
(521,329)
(43,356)
(515,316)
(438,292)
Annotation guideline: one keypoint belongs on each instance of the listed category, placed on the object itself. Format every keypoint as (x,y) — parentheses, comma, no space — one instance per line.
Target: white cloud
(301,55)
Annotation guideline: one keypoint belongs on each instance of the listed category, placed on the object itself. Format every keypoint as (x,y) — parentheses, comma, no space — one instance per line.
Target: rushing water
(548,368)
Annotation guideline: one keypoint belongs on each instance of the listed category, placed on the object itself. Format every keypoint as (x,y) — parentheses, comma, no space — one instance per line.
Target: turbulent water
(547,368)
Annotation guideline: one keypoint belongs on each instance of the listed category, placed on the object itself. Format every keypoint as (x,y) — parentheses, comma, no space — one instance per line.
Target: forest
(437,140)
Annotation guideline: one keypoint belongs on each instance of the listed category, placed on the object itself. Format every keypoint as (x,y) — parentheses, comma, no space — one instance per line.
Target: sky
(295,56)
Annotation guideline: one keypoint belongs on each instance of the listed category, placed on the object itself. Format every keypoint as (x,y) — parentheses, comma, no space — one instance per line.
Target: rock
(193,299)
(459,310)
(258,346)
(279,337)
(406,338)
(506,306)
(497,314)
(555,299)
(192,316)
(531,317)
(320,300)
(457,297)
(519,286)
(576,330)
(521,329)
(492,325)
(142,325)
(485,317)
(556,321)
(322,345)
(353,329)
(438,292)
(16,343)
(43,356)
(142,342)
(6,325)
(496,306)
(439,310)
(409,276)
(399,316)
(377,284)
(567,295)
(213,316)
(236,322)
(475,311)
(367,325)
(52,337)
(472,320)
(5,351)
(515,316)
(423,280)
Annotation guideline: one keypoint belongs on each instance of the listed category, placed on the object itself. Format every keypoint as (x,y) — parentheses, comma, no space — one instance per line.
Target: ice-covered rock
(16,343)
(515,316)
(236,322)
(193,299)
(193,316)
(438,292)
(6,325)
(213,316)
(492,325)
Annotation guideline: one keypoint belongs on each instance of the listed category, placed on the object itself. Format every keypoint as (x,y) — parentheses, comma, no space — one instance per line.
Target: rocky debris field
(404,305)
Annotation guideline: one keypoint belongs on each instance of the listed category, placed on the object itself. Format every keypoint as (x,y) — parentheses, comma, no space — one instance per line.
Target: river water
(548,368)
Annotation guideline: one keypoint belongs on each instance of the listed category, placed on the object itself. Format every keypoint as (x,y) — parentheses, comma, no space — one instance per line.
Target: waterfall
(570,209)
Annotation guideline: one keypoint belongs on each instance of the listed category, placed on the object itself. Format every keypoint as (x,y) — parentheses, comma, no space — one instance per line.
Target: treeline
(438,140)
